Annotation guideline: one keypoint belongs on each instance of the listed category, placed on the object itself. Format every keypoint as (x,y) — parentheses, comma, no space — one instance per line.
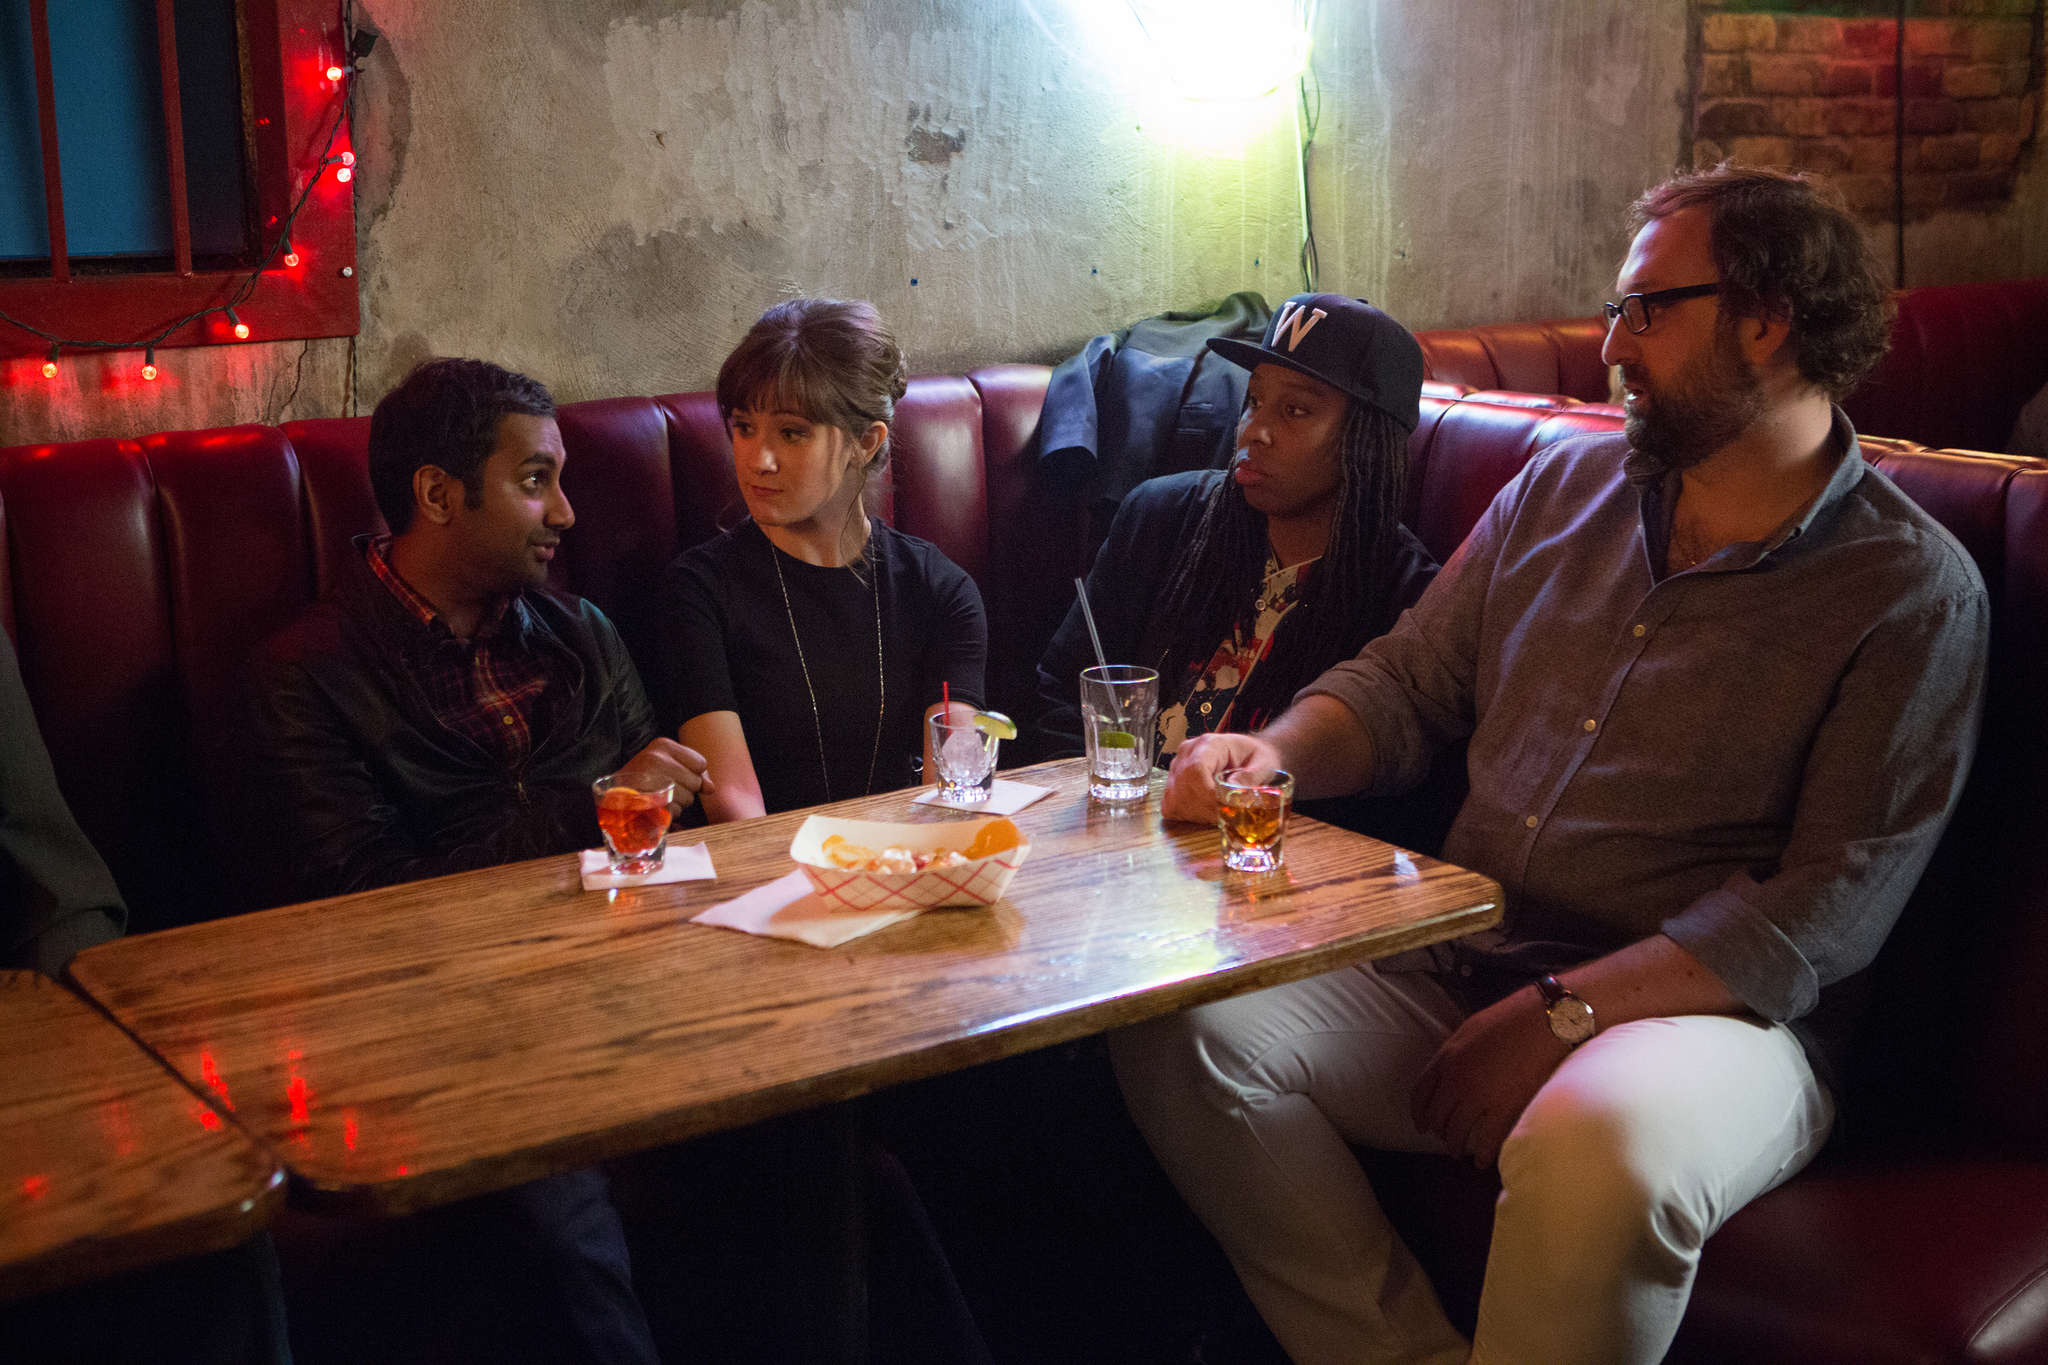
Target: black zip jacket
(356,784)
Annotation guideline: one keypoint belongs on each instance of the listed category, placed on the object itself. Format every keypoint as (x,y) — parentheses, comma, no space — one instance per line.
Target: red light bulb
(333,73)
(49,369)
(149,372)
(348,158)
(344,175)
(291,258)
(241,331)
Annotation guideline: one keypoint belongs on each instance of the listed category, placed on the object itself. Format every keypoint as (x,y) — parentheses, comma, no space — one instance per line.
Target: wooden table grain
(107,1163)
(440,1039)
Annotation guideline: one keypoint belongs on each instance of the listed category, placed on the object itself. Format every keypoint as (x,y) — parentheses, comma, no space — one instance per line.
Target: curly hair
(1785,246)
(444,413)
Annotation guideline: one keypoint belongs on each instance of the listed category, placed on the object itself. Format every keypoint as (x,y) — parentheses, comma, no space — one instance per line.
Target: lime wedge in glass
(995,723)
(1115,739)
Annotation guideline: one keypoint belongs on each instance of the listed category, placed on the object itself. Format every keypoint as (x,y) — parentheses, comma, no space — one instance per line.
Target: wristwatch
(1571,1019)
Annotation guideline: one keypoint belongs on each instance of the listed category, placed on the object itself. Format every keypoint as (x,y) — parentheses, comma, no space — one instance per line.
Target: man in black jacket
(439,710)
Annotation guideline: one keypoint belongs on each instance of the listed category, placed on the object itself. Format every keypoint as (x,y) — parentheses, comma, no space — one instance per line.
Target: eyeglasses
(1634,311)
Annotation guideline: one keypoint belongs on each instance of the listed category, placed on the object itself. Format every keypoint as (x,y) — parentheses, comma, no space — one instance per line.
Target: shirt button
(1530,822)
(508,721)
(1205,708)
(1465,970)
(1591,726)
(1639,632)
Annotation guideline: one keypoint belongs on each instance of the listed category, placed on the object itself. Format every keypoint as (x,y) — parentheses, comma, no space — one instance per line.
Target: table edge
(410,1194)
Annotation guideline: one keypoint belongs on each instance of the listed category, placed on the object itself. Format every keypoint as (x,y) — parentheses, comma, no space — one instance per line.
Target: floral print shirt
(1208,706)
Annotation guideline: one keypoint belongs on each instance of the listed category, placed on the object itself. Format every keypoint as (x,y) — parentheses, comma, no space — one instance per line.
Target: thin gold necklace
(881,677)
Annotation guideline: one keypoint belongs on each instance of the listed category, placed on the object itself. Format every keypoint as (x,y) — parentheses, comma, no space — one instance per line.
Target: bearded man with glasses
(1721,681)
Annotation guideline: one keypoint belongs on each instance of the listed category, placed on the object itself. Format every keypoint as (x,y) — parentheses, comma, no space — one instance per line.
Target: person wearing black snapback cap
(1241,586)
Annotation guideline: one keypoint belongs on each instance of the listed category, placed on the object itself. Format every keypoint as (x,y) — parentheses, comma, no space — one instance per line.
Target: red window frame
(293,107)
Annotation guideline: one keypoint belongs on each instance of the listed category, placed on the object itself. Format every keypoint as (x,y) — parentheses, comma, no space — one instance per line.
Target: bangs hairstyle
(831,361)
(444,413)
(1785,246)
(1347,596)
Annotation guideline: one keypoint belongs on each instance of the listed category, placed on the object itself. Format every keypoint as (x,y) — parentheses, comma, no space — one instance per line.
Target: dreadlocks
(1346,597)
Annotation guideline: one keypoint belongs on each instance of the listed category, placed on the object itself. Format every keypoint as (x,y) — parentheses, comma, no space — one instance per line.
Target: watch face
(1571,1019)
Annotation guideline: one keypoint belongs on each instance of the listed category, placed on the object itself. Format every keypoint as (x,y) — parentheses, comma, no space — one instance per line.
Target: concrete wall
(606,193)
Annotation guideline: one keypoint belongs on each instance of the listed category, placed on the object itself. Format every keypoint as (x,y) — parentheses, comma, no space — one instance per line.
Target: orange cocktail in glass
(634,821)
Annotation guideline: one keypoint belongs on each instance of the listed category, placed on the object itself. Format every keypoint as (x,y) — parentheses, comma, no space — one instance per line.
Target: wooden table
(106,1162)
(441,1039)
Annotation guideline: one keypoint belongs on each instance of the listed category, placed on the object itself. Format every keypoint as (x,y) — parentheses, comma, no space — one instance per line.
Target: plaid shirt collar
(502,689)
(379,555)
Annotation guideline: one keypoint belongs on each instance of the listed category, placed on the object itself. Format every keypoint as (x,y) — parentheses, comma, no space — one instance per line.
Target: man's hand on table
(664,762)
(1191,781)
(1483,1077)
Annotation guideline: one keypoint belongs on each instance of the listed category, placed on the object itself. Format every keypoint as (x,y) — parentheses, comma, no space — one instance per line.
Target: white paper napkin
(1005,798)
(680,864)
(788,908)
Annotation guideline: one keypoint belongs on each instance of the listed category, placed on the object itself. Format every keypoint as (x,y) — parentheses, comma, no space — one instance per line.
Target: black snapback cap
(1348,344)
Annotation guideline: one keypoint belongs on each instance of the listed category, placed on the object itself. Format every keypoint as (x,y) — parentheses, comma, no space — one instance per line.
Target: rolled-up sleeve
(1414,688)
(1880,783)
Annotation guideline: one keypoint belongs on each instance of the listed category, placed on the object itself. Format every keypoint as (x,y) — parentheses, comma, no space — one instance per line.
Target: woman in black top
(1241,586)
(803,649)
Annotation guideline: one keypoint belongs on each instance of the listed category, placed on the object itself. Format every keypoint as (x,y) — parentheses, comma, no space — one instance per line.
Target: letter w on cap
(1296,321)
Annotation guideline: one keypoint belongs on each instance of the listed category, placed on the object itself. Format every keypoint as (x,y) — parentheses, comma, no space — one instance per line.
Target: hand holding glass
(1119,711)
(634,821)
(964,753)
(1251,810)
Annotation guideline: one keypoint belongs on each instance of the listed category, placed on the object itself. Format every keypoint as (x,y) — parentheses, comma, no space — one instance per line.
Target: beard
(1706,405)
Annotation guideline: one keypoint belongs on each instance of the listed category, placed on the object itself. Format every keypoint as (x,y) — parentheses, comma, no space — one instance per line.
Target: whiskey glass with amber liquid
(1251,810)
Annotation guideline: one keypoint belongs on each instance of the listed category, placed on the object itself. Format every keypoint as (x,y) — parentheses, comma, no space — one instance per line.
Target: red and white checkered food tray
(982,880)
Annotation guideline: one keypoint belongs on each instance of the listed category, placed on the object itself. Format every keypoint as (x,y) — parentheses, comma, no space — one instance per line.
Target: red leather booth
(1964,360)
(139,573)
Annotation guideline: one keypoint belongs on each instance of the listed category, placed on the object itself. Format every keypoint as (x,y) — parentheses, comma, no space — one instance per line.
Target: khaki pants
(1639,1146)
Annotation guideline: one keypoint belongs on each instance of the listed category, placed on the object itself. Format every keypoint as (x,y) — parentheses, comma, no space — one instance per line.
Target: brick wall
(1819,93)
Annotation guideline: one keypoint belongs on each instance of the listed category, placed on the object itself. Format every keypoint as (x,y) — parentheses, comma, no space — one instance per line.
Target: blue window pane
(24,229)
(110,130)
(110,127)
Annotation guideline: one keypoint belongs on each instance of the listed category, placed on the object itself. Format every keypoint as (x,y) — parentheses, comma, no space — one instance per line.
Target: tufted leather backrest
(139,574)
(98,655)
(1038,532)
(1558,357)
(2003,850)
(1964,360)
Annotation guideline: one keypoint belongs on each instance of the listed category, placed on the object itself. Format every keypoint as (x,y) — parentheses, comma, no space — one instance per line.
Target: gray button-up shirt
(1755,756)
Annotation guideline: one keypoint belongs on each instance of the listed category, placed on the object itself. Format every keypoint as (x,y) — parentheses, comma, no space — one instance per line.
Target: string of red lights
(281,245)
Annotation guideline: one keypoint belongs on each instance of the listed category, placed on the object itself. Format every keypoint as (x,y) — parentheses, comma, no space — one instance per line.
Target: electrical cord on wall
(1899,150)
(1306,117)
(358,49)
